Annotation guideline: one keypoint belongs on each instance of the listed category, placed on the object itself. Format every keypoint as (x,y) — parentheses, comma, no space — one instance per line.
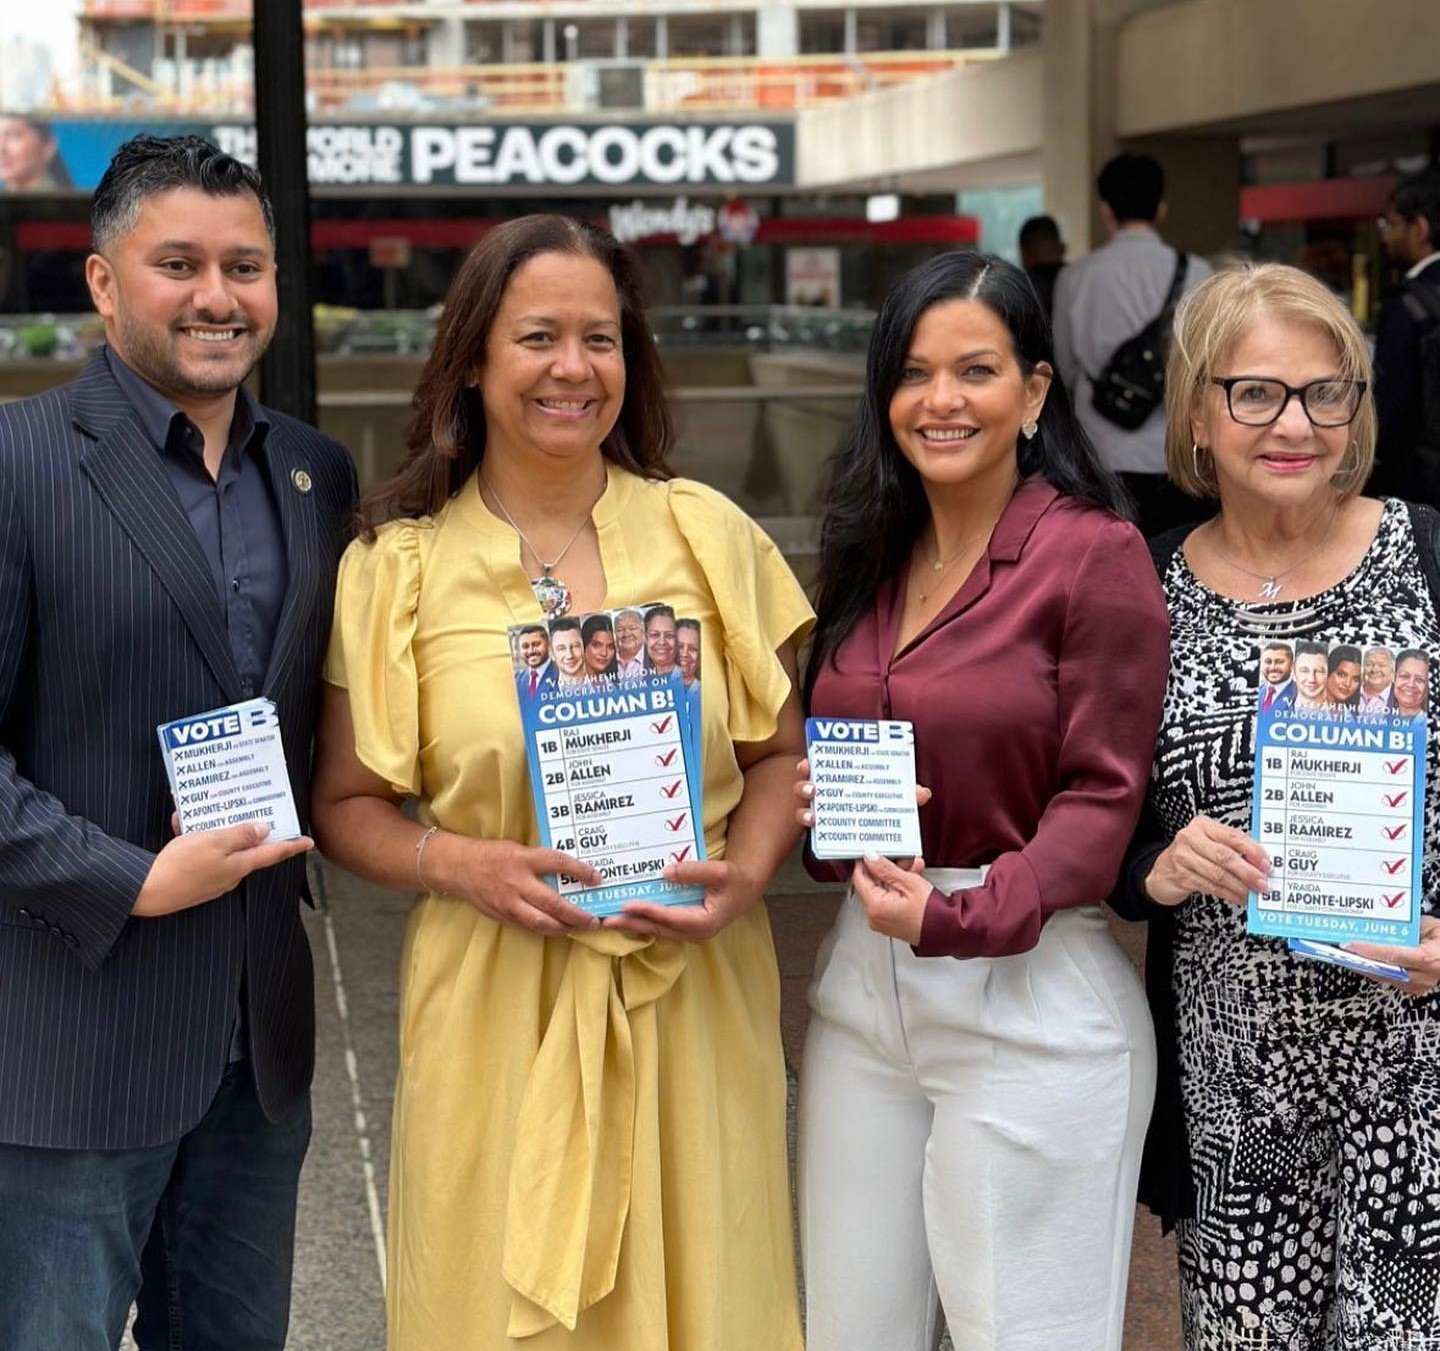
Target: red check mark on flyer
(679,821)
(1393,901)
(675,788)
(1395,766)
(668,759)
(684,853)
(1396,800)
(1393,868)
(1395,832)
(663,726)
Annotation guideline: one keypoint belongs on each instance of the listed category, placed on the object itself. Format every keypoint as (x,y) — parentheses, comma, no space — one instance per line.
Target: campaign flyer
(863,773)
(227,766)
(1351,961)
(1339,797)
(610,705)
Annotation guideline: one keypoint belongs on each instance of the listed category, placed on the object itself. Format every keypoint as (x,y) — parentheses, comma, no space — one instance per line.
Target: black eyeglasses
(1255,401)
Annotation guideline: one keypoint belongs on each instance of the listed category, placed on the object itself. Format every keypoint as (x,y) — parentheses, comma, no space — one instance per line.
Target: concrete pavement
(356,933)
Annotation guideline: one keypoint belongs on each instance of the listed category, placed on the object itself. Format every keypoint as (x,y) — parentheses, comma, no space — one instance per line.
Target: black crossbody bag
(1132,384)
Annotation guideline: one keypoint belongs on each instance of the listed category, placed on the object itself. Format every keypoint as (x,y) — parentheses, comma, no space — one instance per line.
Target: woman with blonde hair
(1296,1134)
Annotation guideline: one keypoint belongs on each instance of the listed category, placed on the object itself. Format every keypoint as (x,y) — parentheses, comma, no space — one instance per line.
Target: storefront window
(712,35)
(822,31)
(892,30)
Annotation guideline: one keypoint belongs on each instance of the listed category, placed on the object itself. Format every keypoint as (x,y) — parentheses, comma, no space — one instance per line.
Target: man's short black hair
(1417,196)
(1040,230)
(1132,186)
(145,165)
(534,628)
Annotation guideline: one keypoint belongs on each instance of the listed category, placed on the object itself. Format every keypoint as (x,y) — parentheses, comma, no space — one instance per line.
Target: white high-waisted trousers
(970,1137)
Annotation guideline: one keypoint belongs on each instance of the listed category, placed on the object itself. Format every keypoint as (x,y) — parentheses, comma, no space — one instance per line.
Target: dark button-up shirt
(237,523)
(1036,697)
(234,515)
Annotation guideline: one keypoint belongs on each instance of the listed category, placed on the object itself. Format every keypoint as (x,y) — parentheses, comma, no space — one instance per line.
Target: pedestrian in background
(1407,346)
(1042,255)
(1113,312)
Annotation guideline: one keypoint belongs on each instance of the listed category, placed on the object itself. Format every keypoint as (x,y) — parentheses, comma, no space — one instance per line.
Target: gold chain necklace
(938,569)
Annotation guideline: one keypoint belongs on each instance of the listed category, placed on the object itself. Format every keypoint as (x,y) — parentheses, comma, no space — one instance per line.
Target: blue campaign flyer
(610,706)
(1339,799)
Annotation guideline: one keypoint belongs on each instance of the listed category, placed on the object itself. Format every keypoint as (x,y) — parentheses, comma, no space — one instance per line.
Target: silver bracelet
(419,854)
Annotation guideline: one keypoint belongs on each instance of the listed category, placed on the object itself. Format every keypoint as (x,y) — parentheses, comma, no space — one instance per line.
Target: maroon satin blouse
(1036,697)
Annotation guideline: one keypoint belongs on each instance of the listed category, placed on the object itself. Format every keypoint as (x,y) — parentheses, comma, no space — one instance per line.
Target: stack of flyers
(610,704)
(1339,804)
(227,766)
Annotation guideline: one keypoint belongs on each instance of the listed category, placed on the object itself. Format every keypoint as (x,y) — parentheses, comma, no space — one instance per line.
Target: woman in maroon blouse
(971,1129)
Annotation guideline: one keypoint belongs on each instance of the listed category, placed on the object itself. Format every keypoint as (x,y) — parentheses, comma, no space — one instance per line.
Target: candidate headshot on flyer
(687,650)
(1342,683)
(1412,684)
(1377,681)
(660,631)
(1312,672)
(597,633)
(629,628)
(567,649)
(1277,676)
(534,669)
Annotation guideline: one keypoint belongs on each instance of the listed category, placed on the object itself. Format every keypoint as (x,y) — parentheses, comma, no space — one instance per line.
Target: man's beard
(153,355)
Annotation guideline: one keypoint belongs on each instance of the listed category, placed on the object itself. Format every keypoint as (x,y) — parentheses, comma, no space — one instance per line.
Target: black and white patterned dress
(1311,1095)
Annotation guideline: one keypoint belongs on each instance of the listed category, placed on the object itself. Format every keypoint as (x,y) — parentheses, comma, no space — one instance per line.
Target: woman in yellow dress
(589,1146)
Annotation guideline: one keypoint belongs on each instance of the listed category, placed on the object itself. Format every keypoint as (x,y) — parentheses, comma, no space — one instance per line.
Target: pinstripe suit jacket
(114,1032)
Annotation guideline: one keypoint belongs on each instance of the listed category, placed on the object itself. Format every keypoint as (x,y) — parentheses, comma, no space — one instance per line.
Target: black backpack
(1132,385)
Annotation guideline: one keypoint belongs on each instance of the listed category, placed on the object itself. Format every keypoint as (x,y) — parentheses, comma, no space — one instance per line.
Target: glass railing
(764,447)
(757,418)
(762,327)
(340,331)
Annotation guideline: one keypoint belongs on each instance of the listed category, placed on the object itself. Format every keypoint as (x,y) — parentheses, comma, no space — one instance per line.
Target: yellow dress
(589,1142)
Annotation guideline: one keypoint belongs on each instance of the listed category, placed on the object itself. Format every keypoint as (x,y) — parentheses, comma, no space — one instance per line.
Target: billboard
(532,155)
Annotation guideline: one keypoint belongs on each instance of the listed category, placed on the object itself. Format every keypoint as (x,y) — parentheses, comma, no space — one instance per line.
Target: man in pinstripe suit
(167,546)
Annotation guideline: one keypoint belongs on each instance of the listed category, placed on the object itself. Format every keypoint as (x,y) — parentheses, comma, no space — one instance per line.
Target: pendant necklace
(941,566)
(1272,583)
(551,593)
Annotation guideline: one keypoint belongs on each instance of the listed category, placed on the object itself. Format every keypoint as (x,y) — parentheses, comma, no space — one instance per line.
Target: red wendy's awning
(74,235)
(1324,199)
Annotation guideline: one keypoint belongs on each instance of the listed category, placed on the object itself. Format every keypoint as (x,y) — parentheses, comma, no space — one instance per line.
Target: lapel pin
(302,481)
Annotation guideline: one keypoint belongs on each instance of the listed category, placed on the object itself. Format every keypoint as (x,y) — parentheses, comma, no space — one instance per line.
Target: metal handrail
(396,398)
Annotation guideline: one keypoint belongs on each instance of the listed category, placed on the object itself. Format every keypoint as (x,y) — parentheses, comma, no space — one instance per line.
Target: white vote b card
(863,772)
(227,767)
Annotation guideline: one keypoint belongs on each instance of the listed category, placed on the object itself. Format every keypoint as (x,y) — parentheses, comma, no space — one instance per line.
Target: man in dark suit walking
(167,546)
(1407,385)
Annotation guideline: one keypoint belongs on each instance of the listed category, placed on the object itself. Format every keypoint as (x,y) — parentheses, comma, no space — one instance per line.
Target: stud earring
(1029,429)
